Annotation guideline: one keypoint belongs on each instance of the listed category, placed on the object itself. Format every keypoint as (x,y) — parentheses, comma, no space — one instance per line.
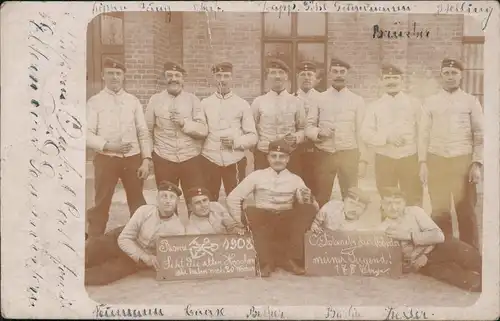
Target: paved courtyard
(281,288)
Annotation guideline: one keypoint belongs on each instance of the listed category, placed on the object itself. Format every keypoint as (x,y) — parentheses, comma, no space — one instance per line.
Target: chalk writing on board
(352,253)
(408,314)
(53,128)
(466,7)
(337,313)
(218,256)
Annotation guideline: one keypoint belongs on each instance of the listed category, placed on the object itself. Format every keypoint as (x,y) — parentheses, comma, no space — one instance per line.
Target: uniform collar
(284,92)
(459,91)
(335,91)
(302,93)
(172,96)
(166,219)
(226,96)
(112,93)
(397,96)
(273,172)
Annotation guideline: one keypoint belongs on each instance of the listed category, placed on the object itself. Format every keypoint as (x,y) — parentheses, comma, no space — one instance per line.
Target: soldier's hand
(152,262)
(423,173)
(291,139)
(420,262)
(325,133)
(315,229)
(227,142)
(238,230)
(475,174)
(143,171)
(177,119)
(118,147)
(395,140)
(398,234)
(361,169)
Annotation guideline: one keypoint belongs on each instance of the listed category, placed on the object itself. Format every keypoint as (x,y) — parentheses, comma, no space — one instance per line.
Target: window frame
(294,39)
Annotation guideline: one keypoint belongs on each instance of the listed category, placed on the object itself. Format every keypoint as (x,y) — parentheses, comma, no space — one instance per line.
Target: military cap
(173,66)
(196,191)
(389,69)
(448,62)
(279,145)
(277,63)
(392,192)
(335,62)
(168,186)
(306,66)
(222,67)
(112,63)
(358,195)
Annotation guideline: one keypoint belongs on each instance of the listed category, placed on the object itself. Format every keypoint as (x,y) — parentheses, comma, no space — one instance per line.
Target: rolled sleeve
(239,193)
(127,241)
(300,121)
(149,118)
(312,130)
(429,233)
(249,137)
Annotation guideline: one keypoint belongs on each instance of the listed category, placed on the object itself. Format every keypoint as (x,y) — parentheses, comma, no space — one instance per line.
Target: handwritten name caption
(105,311)
(342,314)
(468,8)
(191,311)
(408,314)
(265,313)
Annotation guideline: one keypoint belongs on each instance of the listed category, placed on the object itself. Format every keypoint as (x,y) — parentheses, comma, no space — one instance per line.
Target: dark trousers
(105,262)
(342,164)
(402,173)
(188,173)
(450,176)
(260,162)
(108,170)
(307,152)
(279,235)
(231,175)
(456,263)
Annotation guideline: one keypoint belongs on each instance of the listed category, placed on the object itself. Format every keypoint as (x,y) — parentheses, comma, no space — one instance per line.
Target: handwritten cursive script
(105,311)
(466,7)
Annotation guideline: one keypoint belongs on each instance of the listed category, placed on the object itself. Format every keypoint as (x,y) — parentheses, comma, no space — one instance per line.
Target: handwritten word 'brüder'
(54,128)
(412,33)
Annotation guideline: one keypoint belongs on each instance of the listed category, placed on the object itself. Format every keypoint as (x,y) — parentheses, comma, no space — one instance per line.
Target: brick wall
(150,39)
(235,37)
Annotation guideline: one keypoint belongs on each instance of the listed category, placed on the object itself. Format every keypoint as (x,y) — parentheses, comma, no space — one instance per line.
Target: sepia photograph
(291,158)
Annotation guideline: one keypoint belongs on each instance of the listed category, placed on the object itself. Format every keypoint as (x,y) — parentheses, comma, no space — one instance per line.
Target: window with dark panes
(294,38)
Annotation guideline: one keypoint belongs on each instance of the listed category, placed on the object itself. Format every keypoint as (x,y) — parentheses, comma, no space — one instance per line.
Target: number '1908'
(238,243)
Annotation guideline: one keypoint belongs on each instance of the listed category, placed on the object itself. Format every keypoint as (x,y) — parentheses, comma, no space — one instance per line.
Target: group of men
(301,142)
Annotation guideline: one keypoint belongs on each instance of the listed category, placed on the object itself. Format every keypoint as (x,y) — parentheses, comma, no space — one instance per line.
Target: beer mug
(305,195)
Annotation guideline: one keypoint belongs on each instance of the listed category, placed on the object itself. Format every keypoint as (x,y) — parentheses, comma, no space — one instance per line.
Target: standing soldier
(231,130)
(278,114)
(451,152)
(117,131)
(307,80)
(177,127)
(335,126)
(391,127)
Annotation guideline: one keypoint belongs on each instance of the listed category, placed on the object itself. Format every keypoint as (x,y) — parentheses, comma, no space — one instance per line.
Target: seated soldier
(424,246)
(338,215)
(130,248)
(282,213)
(207,217)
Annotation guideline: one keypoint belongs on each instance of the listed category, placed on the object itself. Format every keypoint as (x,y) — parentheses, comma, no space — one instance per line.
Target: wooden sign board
(210,256)
(361,253)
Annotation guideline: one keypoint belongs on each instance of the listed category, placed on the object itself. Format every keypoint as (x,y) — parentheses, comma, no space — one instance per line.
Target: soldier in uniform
(231,130)
(117,131)
(451,152)
(391,128)
(130,248)
(278,114)
(342,215)
(307,80)
(206,217)
(335,126)
(177,127)
(282,212)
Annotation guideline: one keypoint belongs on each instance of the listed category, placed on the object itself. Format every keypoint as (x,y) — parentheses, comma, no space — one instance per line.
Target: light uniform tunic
(138,238)
(451,125)
(392,115)
(218,221)
(277,115)
(115,117)
(229,116)
(169,141)
(271,191)
(331,216)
